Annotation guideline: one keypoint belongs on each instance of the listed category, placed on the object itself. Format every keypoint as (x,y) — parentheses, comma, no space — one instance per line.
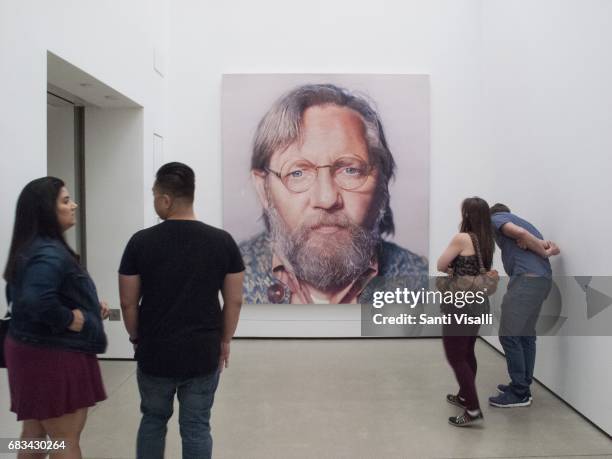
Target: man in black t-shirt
(169,282)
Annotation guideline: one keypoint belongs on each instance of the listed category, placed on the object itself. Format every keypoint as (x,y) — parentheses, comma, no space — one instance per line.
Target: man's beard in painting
(327,261)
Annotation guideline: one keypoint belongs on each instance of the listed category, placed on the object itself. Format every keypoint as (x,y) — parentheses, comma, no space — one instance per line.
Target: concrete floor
(344,399)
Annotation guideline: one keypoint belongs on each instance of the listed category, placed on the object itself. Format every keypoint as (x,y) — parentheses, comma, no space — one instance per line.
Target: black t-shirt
(182,265)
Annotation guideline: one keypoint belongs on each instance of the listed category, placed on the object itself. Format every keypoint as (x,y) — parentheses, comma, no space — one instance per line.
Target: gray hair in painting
(281,127)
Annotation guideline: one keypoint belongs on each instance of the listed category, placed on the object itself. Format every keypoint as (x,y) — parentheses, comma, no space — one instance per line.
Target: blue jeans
(521,308)
(195,396)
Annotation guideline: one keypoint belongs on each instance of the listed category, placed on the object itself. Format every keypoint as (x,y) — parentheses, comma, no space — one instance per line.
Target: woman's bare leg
(66,428)
(32,430)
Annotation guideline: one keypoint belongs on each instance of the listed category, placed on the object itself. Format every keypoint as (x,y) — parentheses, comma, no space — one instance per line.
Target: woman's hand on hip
(104,310)
(78,320)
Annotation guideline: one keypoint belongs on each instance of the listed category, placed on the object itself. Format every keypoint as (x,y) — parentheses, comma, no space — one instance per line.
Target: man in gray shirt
(525,256)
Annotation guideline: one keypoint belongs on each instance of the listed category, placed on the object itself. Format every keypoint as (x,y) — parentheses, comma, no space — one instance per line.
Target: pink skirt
(47,382)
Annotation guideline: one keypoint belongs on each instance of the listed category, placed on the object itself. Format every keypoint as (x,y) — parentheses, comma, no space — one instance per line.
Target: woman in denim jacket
(56,325)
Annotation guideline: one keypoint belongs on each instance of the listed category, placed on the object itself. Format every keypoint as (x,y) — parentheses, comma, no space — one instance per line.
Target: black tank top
(465,265)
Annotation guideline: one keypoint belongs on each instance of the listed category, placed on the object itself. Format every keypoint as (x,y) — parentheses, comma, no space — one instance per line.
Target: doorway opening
(95,144)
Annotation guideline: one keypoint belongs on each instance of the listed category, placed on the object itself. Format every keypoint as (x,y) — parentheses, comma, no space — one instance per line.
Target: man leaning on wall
(525,256)
(169,281)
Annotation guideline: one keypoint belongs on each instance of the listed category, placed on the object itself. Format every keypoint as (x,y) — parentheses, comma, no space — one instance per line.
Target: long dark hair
(35,216)
(476,219)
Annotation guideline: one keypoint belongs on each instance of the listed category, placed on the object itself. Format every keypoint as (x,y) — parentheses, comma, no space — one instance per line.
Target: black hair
(35,216)
(176,180)
(499,207)
(476,219)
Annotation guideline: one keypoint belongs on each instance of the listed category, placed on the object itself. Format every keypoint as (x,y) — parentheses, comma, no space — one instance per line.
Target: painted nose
(325,192)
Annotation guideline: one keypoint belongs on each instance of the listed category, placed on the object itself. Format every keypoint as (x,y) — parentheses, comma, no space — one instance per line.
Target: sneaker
(502,388)
(509,400)
(455,400)
(465,419)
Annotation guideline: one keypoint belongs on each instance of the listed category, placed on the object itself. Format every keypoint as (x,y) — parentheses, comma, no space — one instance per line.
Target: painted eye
(351,171)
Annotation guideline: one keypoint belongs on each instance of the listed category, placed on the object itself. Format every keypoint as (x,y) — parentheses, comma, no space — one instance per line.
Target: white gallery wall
(520,112)
(547,139)
(121,44)
(114,176)
(439,38)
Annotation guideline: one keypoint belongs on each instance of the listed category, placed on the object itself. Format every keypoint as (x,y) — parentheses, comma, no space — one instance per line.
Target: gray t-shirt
(516,260)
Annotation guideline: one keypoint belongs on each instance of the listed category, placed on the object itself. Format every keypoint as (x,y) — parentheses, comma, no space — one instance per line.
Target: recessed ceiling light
(85,85)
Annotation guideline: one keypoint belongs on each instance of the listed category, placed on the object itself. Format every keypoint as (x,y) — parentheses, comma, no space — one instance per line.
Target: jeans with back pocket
(195,396)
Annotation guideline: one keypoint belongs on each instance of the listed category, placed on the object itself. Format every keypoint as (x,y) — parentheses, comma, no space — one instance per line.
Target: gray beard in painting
(328,262)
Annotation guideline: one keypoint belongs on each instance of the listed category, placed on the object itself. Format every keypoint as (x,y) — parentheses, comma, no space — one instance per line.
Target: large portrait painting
(326,184)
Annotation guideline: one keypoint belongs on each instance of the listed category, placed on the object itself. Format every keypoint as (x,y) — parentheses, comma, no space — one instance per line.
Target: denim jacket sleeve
(42,278)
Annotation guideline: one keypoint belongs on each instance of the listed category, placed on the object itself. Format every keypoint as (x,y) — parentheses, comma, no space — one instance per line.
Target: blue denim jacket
(47,285)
